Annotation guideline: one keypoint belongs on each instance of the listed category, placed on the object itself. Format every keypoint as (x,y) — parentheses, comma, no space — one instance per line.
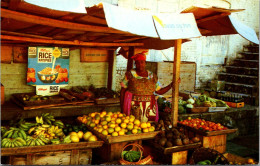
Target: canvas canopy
(214,21)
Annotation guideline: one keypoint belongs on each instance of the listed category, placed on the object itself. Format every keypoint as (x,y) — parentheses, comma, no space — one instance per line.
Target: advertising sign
(48,66)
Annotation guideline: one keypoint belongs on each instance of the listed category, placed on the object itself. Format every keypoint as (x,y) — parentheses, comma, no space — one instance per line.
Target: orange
(104,132)
(93,114)
(134,131)
(80,134)
(250,161)
(108,118)
(126,120)
(136,127)
(84,120)
(121,132)
(105,127)
(73,133)
(100,129)
(120,115)
(114,134)
(96,121)
(137,122)
(92,138)
(74,138)
(79,118)
(148,124)
(146,130)
(143,125)
(123,125)
(118,120)
(112,125)
(130,126)
(152,128)
(92,124)
(103,123)
(117,129)
(110,130)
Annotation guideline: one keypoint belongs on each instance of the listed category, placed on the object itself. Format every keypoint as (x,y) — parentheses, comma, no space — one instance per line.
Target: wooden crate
(216,142)
(111,152)
(164,71)
(73,157)
(179,158)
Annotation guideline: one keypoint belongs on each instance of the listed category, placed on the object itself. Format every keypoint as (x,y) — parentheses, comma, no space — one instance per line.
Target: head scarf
(140,56)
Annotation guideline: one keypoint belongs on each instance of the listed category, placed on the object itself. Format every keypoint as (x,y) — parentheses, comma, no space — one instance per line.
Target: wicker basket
(146,161)
(202,154)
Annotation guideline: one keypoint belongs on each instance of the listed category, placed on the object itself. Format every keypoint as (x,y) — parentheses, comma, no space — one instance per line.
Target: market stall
(25,24)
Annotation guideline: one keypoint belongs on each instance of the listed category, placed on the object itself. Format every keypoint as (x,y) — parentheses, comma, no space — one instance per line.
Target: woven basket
(146,161)
(201,154)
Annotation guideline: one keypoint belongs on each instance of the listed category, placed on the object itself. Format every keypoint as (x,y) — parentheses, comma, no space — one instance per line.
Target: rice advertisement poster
(48,66)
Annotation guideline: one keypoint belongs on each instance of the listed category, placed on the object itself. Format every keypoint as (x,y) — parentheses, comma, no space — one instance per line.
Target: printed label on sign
(65,52)
(45,55)
(47,90)
(32,51)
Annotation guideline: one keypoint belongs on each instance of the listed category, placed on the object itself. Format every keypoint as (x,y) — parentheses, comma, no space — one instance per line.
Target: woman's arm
(164,90)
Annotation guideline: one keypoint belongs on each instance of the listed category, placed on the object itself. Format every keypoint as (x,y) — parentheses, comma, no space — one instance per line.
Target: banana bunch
(11,143)
(3,130)
(14,133)
(36,140)
(48,118)
(37,130)
(39,120)
(58,123)
(25,126)
(55,132)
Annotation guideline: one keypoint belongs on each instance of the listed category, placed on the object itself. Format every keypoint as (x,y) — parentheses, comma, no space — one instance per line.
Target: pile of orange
(115,123)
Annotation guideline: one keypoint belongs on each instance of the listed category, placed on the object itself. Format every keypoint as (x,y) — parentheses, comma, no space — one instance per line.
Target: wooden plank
(52,158)
(49,148)
(130,60)
(24,34)
(111,55)
(217,142)
(212,17)
(20,54)
(85,157)
(179,158)
(176,76)
(74,159)
(18,160)
(5,13)
(6,54)
(64,42)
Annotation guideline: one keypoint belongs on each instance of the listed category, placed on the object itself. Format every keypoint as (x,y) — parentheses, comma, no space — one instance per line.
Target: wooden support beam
(24,34)
(176,76)
(62,42)
(130,60)
(111,57)
(212,17)
(5,13)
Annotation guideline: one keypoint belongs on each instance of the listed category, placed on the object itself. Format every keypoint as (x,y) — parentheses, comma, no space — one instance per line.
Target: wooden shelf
(49,148)
(239,75)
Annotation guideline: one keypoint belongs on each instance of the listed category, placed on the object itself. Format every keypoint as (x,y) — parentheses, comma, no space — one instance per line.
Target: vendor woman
(138,88)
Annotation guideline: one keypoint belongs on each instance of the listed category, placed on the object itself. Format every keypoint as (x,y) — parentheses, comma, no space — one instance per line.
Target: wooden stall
(24,24)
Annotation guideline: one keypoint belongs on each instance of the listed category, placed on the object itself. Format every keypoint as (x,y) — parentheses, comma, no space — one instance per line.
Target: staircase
(242,75)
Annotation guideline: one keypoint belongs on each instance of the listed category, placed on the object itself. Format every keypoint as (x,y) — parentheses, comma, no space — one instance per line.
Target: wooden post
(130,60)
(111,56)
(176,76)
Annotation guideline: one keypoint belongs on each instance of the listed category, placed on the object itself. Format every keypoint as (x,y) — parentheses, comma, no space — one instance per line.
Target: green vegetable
(189,106)
(190,101)
(181,109)
(205,162)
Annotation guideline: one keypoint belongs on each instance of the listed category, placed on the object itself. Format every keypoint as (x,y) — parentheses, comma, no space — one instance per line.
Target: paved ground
(244,146)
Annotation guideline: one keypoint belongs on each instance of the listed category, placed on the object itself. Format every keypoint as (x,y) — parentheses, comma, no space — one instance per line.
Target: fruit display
(172,136)
(27,97)
(81,136)
(115,124)
(202,124)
